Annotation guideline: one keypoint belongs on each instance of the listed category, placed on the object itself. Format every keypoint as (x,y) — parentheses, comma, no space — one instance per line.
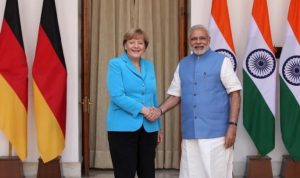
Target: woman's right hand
(151,113)
(145,111)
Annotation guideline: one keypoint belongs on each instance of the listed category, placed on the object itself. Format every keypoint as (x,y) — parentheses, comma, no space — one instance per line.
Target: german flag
(13,80)
(49,85)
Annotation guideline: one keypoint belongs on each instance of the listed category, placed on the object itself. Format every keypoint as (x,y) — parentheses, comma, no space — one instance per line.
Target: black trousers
(133,152)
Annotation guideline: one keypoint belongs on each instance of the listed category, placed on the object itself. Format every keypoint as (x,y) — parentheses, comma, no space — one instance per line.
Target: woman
(131,85)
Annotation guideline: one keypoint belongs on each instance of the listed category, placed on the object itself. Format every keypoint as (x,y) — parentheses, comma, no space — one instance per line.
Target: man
(209,91)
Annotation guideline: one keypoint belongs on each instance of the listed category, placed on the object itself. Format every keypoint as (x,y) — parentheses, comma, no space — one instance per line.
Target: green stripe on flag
(290,120)
(257,117)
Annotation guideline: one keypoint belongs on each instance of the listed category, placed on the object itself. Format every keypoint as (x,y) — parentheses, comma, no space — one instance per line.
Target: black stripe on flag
(49,24)
(12,18)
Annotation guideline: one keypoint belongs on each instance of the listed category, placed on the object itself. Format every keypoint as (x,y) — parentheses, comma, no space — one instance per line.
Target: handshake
(151,113)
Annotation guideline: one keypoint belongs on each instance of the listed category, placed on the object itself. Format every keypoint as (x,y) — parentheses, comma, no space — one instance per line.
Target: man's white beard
(202,51)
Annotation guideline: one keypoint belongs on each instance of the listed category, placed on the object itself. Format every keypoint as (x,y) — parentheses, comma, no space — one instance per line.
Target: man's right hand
(151,113)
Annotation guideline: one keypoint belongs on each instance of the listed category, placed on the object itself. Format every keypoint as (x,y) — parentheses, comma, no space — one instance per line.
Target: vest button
(195,83)
(195,94)
(195,106)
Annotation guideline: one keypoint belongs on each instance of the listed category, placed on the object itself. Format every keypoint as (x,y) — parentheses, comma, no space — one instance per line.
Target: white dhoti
(206,158)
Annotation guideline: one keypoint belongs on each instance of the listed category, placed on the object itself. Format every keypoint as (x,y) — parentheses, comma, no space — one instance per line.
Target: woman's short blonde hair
(136,33)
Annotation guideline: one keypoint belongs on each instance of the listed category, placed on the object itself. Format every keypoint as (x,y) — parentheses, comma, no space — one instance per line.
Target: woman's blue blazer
(129,91)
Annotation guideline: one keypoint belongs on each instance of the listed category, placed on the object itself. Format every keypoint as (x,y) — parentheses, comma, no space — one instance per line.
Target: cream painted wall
(240,14)
(67,11)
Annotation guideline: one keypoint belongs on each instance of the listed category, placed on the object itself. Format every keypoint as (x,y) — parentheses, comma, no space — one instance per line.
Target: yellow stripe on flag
(50,137)
(13,118)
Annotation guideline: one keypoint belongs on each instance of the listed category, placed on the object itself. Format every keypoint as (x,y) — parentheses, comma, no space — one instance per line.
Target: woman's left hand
(160,136)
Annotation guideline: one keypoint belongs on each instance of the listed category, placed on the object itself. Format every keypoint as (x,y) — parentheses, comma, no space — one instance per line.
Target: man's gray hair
(198,27)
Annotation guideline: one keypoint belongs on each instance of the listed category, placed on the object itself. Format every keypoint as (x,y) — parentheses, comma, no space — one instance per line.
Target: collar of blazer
(132,68)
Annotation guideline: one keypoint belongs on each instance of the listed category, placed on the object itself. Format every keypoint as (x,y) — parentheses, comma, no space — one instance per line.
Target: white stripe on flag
(268,91)
(217,39)
(290,48)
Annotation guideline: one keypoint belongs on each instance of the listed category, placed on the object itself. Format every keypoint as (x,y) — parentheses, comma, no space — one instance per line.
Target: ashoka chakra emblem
(230,55)
(260,63)
(291,70)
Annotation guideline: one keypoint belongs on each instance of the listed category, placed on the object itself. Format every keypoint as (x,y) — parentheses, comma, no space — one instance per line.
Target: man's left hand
(230,136)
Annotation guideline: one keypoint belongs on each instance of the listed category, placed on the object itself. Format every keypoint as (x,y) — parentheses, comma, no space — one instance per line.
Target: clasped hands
(151,113)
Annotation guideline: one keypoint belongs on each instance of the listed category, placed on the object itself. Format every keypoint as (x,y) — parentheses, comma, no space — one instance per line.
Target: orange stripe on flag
(50,136)
(260,14)
(294,18)
(220,13)
(13,120)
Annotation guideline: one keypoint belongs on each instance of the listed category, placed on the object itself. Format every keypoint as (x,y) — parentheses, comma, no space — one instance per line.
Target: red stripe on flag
(13,63)
(50,77)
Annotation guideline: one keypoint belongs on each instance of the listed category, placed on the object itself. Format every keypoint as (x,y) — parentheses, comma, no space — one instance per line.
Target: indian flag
(220,31)
(289,70)
(259,81)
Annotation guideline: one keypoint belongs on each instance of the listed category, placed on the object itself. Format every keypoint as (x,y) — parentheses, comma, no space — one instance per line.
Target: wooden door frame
(182,27)
(85,70)
(85,85)
(182,40)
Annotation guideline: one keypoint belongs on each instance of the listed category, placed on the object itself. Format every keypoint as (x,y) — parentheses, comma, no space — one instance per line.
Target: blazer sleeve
(116,90)
(155,97)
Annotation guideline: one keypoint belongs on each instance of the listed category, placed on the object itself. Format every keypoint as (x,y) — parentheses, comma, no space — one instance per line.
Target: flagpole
(9,150)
